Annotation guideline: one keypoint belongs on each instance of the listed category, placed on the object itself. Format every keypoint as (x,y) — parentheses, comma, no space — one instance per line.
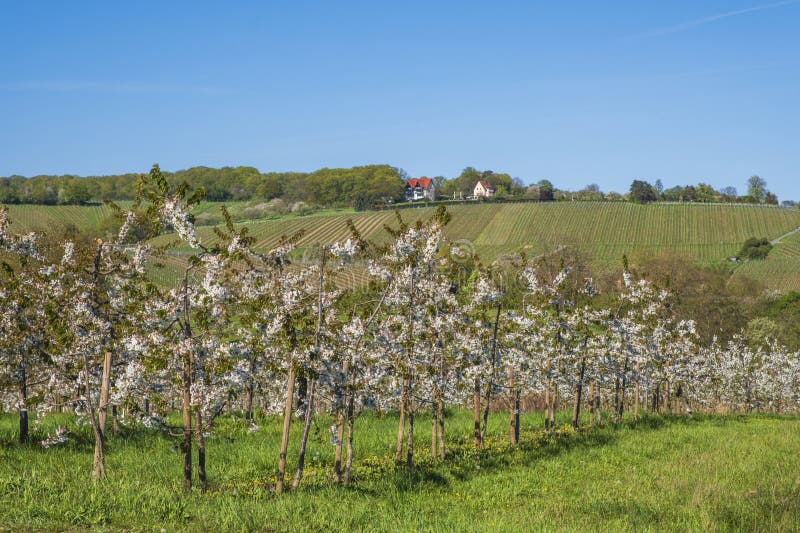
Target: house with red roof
(420,189)
(483,188)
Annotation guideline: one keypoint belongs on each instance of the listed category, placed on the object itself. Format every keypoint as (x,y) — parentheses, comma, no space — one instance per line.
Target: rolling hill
(600,232)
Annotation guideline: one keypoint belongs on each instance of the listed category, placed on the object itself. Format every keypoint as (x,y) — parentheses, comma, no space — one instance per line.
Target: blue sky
(576,92)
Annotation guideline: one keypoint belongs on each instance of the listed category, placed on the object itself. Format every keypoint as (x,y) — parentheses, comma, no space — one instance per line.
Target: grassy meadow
(667,474)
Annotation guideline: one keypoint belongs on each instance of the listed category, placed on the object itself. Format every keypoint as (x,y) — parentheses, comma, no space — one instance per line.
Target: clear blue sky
(576,92)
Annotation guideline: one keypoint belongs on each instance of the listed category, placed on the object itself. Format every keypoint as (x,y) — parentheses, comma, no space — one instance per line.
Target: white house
(483,189)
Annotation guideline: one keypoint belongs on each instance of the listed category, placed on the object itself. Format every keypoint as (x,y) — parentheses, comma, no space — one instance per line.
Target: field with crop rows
(780,271)
(26,218)
(601,232)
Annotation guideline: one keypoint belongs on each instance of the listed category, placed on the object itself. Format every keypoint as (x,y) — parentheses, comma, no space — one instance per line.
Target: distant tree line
(358,186)
(362,187)
(642,192)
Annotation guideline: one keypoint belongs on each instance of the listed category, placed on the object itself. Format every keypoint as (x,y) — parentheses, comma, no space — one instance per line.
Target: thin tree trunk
(187,422)
(555,406)
(287,424)
(105,385)
(401,426)
(350,422)
(476,411)
(302,392)
(201,452)
(549,423)
(576,412)
(440,410)
(491,375)
(337,461)
(301,457)
(434,427)
(410,444)
(99,461)
(656,397)
(249,391)
(636,399)
(342,402)
(621,407)
(308,384)
(513,432)
(23,410)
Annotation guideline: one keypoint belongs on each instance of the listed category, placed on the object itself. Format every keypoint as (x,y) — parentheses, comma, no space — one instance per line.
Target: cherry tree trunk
(99,460)
(513,431)
(350,421)
(440,433)
(302,392)
(23,410)
(338,451)
(401,426)
(434,429)
(410,444)
(667,397)
(621,403)
(549,418)
(186,411)
(636,394)
(476,411)
(342,401)
(490,386)
(301,457)
(287,424)
(595,404)
(105,386)
(576,411)
(249,391)
(201,452)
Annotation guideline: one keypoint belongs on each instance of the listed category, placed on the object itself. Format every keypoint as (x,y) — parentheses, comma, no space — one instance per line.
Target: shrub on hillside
(754,248)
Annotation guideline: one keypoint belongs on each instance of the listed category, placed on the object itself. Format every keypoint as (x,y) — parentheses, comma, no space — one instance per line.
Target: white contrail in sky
(713,18)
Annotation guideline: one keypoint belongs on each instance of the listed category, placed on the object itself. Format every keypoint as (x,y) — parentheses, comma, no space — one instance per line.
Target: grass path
(785,236)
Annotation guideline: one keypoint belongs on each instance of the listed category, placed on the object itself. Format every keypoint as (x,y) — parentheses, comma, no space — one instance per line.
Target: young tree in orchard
(278,311)
(359,370)
(542,330)
(586,324)
(24,319)
(357,378)
(323,364)
(99,290)
(742,377)
(291,307)
(189,323)
(417,291)
(631,324)
(479,344)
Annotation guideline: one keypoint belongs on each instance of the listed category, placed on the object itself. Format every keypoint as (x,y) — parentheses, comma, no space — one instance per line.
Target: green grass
(666,474)
(600,232)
